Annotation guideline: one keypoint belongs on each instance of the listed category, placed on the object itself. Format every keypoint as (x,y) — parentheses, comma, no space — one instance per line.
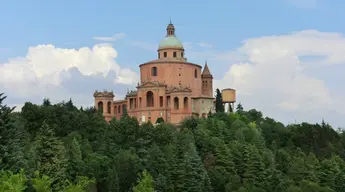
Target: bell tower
(170,30)
(207,82)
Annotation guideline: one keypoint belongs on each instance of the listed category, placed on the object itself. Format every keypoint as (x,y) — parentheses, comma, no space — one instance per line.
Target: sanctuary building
(170,87)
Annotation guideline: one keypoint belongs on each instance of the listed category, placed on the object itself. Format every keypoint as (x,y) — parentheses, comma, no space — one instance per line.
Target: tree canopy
(58,147)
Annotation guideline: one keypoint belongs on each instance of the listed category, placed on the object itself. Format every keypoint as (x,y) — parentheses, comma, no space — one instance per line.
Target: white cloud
(48,71)
(115,37)
(276,79)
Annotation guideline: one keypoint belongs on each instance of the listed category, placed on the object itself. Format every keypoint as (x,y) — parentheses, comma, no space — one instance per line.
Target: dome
(170,41)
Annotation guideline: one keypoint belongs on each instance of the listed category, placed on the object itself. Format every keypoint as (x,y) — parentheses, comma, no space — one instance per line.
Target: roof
(132,93)
(170,41)
(206,71)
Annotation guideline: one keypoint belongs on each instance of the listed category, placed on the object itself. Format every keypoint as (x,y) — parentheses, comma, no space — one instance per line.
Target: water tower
(229,97)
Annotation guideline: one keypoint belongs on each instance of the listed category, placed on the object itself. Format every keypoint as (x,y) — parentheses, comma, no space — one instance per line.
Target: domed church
(170,87)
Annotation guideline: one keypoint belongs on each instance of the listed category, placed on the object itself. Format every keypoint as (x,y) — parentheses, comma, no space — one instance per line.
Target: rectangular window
(131,103)
(174,54)
(139,102)
(168,101)
(161,101)
(165,54)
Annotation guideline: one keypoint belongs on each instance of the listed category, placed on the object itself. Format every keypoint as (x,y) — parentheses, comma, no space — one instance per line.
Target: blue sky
(238,38)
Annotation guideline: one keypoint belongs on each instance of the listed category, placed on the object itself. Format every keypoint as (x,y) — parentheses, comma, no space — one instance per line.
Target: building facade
(170,87)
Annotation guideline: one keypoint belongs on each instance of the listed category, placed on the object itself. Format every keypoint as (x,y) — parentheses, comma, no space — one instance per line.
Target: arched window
(176,103)
(154,71)
(195,73)
(119,109)
(149,99)
(115,109)
(100,106)
(123,108)
(185,103)
(109,107)
(204,115)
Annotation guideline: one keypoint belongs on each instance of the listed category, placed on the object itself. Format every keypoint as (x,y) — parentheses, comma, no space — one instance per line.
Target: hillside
(61,148)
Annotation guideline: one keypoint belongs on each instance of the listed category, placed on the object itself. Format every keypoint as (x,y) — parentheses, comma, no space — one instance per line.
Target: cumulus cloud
(115,37)
(58,73)
(275,76)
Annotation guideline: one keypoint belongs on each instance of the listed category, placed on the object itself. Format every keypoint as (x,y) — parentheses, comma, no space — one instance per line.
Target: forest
(59,147)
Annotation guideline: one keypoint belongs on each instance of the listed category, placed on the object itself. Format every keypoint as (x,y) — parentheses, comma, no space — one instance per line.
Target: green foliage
(57,147)
(10,182)
(160,120)
(145,183)
(219,101)
(41,183)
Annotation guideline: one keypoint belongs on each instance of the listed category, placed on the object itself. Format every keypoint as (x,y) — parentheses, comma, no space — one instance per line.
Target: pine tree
(239,109)
(13,139)
(193,174)
(161,184)
(145,183)
(75,162)
(254,174)
(51,156)
(70,105)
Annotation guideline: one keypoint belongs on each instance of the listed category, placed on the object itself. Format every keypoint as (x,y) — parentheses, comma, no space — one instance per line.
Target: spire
(170,29)
(206,72)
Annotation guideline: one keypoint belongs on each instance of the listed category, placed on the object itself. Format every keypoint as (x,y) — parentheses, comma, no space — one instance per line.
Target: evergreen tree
(70,105)
(112,179)
(13,139)
(51,156)
(75,162)
(46,102)
(159,120)
(219,101)
(41,183)
(239,109)
(10,182)
(145,183)
(193,176)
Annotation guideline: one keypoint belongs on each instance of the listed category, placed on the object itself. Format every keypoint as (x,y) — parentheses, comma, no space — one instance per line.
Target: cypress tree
(219,101)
